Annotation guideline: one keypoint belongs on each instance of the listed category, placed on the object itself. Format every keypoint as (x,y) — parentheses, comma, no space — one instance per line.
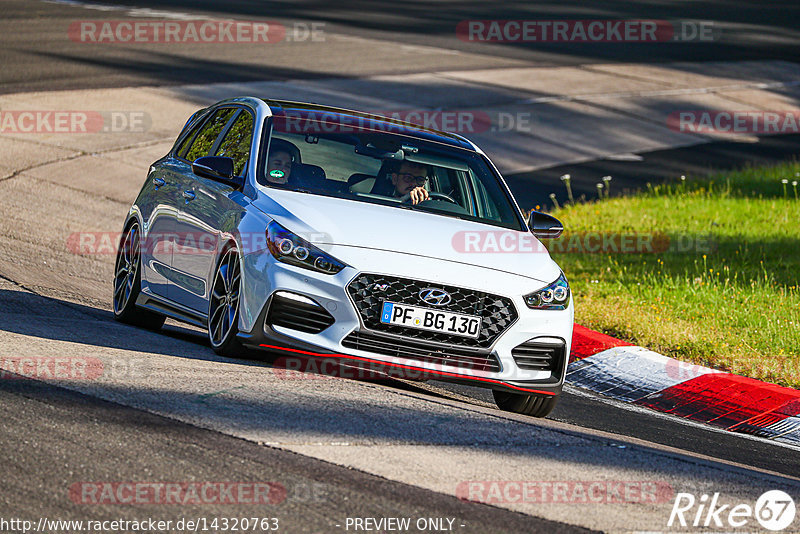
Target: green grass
(734,305)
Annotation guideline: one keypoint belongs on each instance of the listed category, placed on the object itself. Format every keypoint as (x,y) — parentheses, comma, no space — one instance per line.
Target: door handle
(158,182)
(188,195)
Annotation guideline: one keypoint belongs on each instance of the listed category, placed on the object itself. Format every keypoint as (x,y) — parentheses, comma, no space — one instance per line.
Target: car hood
(335,221)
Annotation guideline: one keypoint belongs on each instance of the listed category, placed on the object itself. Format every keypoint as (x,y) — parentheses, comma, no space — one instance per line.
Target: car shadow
(272,405)
(30,314)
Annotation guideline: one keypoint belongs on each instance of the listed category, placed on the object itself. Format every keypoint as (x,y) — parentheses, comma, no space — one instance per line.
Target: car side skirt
(171,309)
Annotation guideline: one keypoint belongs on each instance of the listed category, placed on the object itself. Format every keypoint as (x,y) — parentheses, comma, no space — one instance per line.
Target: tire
(128,283)
(223,305)
(533,405)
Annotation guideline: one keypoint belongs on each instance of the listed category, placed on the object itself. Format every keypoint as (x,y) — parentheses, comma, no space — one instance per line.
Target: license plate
(457,324)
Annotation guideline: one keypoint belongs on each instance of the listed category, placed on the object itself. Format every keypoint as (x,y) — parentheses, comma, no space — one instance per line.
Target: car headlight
(290,248)
(553,297)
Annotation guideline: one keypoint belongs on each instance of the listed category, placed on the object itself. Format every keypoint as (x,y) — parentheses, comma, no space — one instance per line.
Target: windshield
(382,168)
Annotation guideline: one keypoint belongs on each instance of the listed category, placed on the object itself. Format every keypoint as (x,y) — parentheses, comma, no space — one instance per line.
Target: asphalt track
(176,412)
(414,37)
(653,167)
(115,442)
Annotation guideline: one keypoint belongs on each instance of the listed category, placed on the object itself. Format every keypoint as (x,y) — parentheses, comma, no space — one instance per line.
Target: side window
(487,207)
(236,143)
(450,183)
(204,141)
(181,152)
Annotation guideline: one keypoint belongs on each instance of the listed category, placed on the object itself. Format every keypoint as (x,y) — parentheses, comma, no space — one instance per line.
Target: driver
(410,179)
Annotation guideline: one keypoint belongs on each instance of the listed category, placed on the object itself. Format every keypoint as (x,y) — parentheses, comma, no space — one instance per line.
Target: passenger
(279,167)
(280,161)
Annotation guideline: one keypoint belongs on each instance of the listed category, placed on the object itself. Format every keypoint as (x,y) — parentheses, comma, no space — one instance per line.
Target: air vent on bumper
(297,312)
(390,345)
(537,355)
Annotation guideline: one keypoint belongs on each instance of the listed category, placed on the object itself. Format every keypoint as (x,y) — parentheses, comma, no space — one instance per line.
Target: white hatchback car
(329,233)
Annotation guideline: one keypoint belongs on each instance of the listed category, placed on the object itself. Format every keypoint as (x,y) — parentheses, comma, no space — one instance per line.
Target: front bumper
(531,329)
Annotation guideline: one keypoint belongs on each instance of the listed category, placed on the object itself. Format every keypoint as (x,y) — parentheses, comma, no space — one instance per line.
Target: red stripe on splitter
(725,400)
(587,342)
(409,367)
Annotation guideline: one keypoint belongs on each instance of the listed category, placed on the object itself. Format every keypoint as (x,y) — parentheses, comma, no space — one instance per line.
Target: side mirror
(545,226)
(219,168)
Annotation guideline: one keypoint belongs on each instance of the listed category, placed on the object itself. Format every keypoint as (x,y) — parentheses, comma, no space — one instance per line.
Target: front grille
(537,356)
(297,315)
(368,293)
(389,345)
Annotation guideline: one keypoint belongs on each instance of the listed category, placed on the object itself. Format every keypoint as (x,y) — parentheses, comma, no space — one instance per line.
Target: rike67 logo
(774,510)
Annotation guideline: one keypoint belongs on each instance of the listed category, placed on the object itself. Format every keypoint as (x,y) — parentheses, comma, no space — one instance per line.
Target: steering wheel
(431,195)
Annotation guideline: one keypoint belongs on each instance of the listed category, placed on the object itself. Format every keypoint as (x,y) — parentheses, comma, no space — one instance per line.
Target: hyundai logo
(435,297)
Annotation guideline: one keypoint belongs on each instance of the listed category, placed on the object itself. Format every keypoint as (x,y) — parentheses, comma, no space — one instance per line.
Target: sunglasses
(410,178)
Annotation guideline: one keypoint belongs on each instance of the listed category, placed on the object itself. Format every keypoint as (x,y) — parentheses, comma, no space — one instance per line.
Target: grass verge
(718,285)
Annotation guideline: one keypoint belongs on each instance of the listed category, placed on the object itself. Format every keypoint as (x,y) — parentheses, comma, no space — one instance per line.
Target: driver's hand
(418,194)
